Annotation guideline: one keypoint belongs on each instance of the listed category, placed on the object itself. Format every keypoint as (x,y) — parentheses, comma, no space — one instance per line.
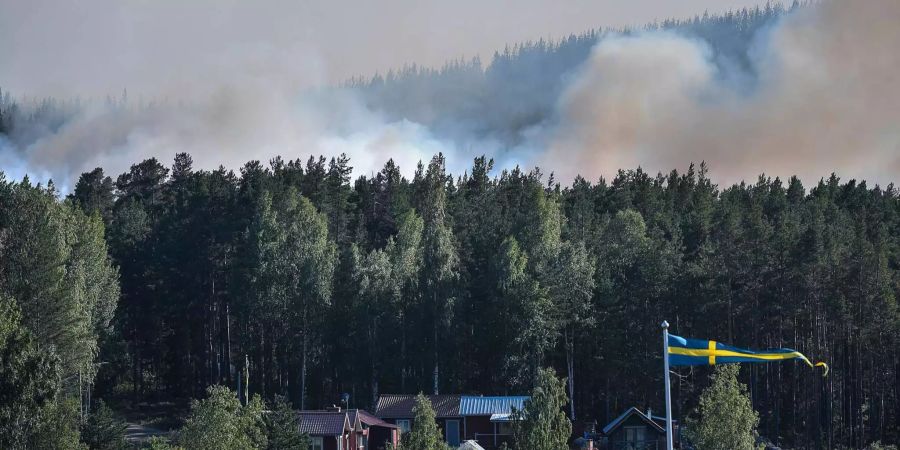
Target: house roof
(368,419)
(485,406)
(618,421)
(502,418)
(401,406)
(323,423)
(470,445)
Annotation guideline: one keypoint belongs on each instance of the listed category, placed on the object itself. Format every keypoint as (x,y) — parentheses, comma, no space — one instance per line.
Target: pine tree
(29,378)
(219,422)
(726,417)
(542,424)
(281,428)
(103,429)
(425,434)
(440,259)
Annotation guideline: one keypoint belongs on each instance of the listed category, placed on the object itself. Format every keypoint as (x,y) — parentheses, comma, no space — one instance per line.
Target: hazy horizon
(99,47)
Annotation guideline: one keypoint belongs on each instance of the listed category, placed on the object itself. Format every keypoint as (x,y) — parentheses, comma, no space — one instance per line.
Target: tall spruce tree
(542,424)
(726,416)
(425,434)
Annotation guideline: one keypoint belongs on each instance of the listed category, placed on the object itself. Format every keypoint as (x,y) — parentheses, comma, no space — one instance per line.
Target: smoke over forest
(807,90)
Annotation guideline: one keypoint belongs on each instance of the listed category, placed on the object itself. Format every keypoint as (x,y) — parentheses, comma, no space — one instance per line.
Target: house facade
(635,430)
(485,420)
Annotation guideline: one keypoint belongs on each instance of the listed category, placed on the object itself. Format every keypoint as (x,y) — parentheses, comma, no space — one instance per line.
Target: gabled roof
(323,423)
(401,406)
(485,406)
(618,421)
(368,419)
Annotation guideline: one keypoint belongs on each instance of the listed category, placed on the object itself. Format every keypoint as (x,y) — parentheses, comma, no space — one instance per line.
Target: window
(452,433)
(403,424)
(316,443)
(635,435)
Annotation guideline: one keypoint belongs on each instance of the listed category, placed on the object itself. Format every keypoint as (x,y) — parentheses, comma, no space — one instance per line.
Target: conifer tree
(726,417)
(542,424)
(282,430)
(425,434)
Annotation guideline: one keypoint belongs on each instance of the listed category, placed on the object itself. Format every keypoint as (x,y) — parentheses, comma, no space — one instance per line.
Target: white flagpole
(669,442)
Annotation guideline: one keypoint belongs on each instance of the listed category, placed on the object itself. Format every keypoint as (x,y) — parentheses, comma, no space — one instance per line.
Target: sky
(151,47)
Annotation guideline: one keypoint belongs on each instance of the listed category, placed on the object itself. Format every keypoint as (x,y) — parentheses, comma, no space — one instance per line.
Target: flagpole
(665,328)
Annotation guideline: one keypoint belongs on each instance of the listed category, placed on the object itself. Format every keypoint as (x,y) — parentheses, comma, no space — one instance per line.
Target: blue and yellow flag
(696,352)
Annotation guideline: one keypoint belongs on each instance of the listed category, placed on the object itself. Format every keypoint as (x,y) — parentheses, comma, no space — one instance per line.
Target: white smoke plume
(825,99)
(821,96)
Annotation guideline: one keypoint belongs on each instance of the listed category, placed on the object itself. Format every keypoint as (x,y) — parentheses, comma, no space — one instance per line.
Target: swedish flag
(696,352)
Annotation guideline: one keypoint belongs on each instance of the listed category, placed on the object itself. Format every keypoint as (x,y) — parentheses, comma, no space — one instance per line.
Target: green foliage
(879,446)
(55,264)
(103,429)
(530,315)
(219,422)
(29,379)
(57,427)
(727,419)
(159,443)
(282,430)
(382,283)
(425,434)
(542,424)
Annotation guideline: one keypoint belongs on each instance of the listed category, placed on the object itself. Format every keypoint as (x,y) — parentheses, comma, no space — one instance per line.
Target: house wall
(650,433)
(378,436)
(441,422)
(477,424)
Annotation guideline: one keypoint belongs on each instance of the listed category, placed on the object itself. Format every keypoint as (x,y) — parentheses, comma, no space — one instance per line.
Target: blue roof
(485,406)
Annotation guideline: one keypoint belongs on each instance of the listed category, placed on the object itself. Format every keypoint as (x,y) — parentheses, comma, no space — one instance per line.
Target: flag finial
(665,324)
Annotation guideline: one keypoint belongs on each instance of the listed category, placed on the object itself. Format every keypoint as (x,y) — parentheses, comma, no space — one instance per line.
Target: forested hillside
(520,87)
(465,283)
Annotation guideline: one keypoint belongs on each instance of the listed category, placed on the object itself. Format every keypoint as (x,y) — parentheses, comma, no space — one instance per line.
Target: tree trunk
(403,363)
(303,373)
(569,338)
(436,368)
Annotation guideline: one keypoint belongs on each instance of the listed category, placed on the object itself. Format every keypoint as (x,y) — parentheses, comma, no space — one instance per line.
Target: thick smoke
(820,95)
(824,98)
(229,127)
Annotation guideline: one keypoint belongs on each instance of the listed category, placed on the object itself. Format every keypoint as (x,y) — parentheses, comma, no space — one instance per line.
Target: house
(636,430)
(327,429)
(398,410)
(486,420)
(373,433)
(334,429)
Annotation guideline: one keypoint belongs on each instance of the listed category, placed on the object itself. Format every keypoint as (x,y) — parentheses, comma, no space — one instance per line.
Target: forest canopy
(385,284)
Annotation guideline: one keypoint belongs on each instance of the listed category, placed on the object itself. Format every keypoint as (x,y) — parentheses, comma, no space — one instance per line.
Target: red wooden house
(334,429)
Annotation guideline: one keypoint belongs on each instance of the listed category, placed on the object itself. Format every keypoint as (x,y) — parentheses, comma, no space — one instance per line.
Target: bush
(281,427)
(220,423)
(727,419)
(103,430)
